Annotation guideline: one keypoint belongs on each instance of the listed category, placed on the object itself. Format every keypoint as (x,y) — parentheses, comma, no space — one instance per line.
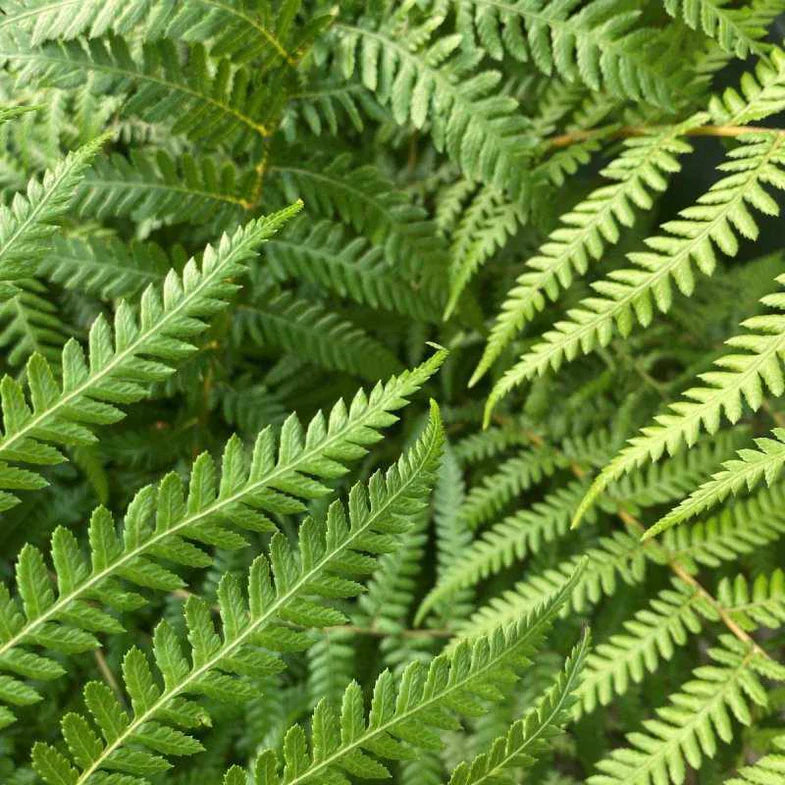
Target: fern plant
(392,391)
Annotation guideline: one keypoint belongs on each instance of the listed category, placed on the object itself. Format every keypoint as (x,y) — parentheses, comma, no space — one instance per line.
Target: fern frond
(761,93)
(155,185)
(492,442)
(738,377)
(511,478)
(409,717)
(692,726)
(649,638)
(506,542)
(350,268)
(434,83)
(30,325)
(588,230)
(725,25)
(161,85)
(487,223)
(597,42)
(308,330)
(767,770)
(165,522)
(364,198)
(525,741)
(630,295)
(282,589)
(105,267)
(761,604)
(27,225)
(122,363)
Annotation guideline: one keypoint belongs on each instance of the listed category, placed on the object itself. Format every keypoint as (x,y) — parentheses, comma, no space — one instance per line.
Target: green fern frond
(761,93)
(511,479)
(204,103)
(649,638)
(725,25)
(691,728)
(27,225)
(325,107)
(505,543)
(350,268)
(492,442)
(631,295)
(487,224)
(368,201)
(283,589)
(434,83)
(767,770)
(464,679)
(738,377)
(154,185)
(597,42)
(122,363)
(761,604)
(525,741)
(164,522)
(588,230)
(105,267)
(29,324)
(308,330)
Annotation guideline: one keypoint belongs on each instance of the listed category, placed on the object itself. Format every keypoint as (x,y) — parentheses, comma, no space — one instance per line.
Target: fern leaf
(588,230)
(463,679)
(767,770)
(631,295)
(738,377)
(161,84)
(723,24)
(525,741)
(283,589)
(310,331)
(28,223)
(121,366)
(761,604)
(165,522)
(692,726)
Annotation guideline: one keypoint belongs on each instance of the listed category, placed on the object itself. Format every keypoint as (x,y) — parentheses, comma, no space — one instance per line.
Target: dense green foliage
(392,390)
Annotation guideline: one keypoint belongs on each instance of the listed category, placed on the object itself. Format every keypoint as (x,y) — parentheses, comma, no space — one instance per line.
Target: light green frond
(526,739)
(694,724)
(284,591)
(588,230)
(725,25)
(768,770)
(310,331)
(760,603)
(631,295)
(738,377)
(123,362)
(165,522)
(28,223)
(410,716)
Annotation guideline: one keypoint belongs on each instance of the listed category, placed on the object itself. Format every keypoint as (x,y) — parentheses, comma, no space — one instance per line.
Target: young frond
(588,230)
(351,268)
(211,102)
(632,294)
(525,741)
(284,592)
(767,770)
(434,83)
(759,604)
(597,42)
(312,332)
(738,377)
(148,185)
(409,717)
(122,362)
(694,723)
(164,522)
(725,25)
(28,223)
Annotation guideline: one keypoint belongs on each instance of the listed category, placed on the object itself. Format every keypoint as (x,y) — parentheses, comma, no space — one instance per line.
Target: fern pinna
(392,391)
